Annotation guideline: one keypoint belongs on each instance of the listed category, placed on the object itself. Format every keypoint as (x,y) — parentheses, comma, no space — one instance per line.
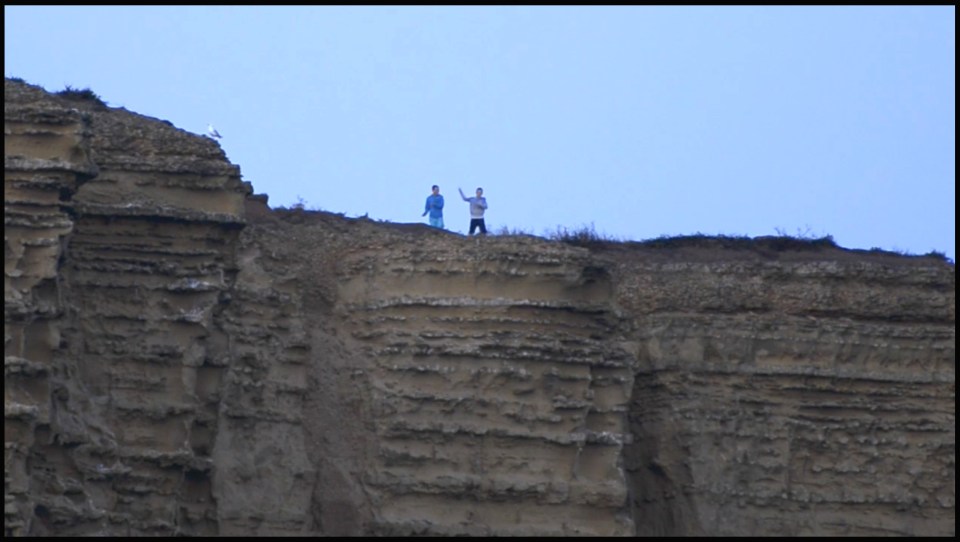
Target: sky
(635,122)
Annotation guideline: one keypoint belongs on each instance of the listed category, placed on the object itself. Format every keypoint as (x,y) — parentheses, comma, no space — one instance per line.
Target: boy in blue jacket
(435,208)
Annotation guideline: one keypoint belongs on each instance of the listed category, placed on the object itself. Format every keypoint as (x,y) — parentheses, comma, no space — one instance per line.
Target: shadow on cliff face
(657,465)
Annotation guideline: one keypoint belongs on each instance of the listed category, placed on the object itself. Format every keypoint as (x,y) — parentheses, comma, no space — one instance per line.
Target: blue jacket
(434,206)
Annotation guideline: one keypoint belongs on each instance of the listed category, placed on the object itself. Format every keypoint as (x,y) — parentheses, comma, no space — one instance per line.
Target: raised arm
(465,198)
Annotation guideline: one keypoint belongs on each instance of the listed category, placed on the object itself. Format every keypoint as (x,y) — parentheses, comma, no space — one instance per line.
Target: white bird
(212,132)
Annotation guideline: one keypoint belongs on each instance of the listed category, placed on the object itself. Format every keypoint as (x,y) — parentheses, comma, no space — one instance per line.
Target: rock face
(180,359)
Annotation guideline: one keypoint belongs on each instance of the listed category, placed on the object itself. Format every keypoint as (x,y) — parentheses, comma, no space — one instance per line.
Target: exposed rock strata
(119,236)
(179,359)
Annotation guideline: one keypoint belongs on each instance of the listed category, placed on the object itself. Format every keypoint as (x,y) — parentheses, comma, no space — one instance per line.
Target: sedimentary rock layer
(119,233)
(182,360)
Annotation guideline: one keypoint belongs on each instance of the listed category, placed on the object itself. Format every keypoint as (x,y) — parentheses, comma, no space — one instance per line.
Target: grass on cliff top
(587,236)
(82,95)
(778,243)
(582,236)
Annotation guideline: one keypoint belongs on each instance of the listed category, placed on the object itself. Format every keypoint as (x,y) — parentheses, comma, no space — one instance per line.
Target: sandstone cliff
(180,359)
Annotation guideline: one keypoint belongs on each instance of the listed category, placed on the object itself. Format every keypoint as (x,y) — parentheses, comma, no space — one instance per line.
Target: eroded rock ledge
(180,359)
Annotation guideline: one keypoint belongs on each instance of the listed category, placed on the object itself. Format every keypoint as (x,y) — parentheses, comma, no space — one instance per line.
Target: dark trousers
(477,223)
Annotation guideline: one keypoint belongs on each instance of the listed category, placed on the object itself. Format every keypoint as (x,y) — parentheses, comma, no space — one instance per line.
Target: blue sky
(638,121)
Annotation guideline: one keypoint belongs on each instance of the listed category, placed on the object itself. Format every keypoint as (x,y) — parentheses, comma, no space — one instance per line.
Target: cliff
(181,359)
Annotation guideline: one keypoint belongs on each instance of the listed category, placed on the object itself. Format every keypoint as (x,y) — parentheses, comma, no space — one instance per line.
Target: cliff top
(126,140)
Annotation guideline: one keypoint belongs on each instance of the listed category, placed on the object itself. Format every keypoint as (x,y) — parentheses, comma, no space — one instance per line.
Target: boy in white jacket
(477,206)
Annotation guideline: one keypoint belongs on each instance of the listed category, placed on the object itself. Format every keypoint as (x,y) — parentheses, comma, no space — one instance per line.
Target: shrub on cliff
(583,236)
(84,95)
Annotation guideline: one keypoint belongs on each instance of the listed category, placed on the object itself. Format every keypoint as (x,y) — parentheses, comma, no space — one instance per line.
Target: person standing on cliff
(435,208)
(478,205)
